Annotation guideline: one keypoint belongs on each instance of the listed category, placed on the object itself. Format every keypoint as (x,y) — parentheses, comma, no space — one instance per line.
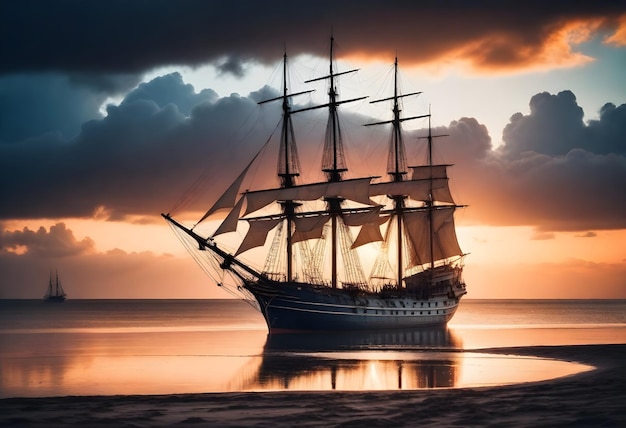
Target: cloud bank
(554,171)
(117,36)
(57,242)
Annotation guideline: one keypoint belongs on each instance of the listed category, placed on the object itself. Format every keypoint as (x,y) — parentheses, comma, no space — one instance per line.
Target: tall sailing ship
(313,278)
(55,292)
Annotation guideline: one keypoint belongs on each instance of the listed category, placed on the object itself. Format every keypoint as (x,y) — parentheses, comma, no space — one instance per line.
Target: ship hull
(301,307)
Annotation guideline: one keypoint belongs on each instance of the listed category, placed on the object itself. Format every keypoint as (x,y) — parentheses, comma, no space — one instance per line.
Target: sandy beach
(593,398)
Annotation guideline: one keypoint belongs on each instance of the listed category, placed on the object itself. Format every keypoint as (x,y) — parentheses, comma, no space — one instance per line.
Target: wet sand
(589,399)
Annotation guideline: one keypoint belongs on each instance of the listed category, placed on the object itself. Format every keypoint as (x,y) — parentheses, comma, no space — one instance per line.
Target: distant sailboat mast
(55,292)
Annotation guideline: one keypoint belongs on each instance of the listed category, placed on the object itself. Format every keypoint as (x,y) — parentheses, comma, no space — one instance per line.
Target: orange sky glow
(557,49)
(533,106)
(503,262)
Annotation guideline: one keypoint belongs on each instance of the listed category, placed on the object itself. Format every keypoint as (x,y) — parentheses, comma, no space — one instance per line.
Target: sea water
(111,347)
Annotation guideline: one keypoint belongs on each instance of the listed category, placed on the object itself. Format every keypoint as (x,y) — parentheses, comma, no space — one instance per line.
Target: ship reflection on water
(385,360)
(120,362)
(403,339)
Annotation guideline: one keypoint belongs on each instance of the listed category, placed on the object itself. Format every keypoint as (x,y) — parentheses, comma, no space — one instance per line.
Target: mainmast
(333,161)
(333,165)
(288,163)
(396,165)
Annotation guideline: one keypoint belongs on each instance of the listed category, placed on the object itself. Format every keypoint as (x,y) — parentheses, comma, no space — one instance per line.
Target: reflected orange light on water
(171,374)
(160,374)
(170,362)
(480,369)
(310,374)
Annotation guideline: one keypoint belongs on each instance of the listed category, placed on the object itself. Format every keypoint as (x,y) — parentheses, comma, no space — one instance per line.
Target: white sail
(232,219)
(257,234)
(445,243)
(229,197)
(425,172)
(309,227)
(370,232)
(441,191)
(355,190)
(300,235)
(361,217)
(416,189)
(439,176)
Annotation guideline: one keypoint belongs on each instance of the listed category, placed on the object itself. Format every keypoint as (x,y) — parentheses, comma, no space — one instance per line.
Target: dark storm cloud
(168,89)
(130,161)
(110,84)
(555,126)
(232,65)
(563,173)
(554,172)
(31,105)
(133,36)
(548,176)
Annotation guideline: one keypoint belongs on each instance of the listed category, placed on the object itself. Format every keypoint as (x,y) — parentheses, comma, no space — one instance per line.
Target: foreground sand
(591,399)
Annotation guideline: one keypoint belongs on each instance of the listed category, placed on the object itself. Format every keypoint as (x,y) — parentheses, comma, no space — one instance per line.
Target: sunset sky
(111,110)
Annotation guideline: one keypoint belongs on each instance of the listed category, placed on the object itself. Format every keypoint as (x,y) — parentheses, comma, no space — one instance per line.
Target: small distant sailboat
(55,293)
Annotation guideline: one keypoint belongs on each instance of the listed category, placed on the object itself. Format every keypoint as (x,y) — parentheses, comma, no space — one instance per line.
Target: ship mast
(288,163)
(396,165)
(333,161)
(430,202)
(399,172)
(430,199)
(333,171)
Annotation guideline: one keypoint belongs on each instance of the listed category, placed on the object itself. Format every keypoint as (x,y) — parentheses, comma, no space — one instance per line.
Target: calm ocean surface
(111,347)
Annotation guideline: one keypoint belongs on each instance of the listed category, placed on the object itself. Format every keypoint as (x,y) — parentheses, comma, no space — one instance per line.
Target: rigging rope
(210,265)
(194,189)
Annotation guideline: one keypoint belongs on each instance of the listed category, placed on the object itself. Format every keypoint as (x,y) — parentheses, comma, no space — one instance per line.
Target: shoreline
(591,398)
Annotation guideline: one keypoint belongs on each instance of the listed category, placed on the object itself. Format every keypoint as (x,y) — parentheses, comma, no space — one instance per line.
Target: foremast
(288,165)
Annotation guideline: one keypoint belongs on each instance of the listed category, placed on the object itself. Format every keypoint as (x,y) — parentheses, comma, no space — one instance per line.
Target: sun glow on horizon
(499,258)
